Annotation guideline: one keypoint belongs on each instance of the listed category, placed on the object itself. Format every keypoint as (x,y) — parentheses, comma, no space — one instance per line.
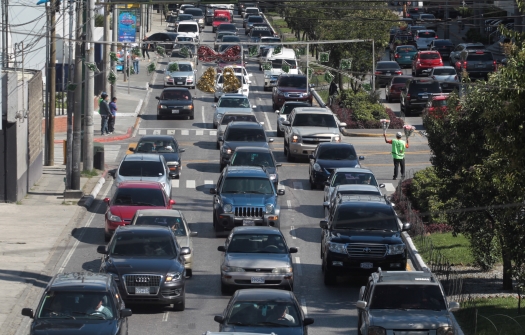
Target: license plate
(367,265)
(257,280)
(444,54)
(424,97)
(248,223)
(407,57)
(388,74)
(141,290)
(174,111)
(480,65)
(180,83)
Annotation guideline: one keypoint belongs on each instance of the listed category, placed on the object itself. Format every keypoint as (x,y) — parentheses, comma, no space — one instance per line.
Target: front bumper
(184,83)
(165,294)
(174,112)
(341,264)
(244,280)
(228,221)
(301,149)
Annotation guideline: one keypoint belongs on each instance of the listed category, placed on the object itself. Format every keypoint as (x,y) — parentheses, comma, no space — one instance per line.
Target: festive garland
(328,76)
(112,78)
(136,51)
(173,67)
(324,57)
(252,51)
(208,55)
(206,82)
(346,64)
(285,67)
(151,68)
(161,51)
(230,82)
(267,66)
(185,52)
(71,87)
(92,67)
(113,56)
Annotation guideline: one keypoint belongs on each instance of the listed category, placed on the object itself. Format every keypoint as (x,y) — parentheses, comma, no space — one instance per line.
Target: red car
(393,89)
(129,197)
(219,20)
(424,61)
(437,106)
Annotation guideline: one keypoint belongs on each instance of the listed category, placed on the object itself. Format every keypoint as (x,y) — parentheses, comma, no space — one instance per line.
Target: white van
(191,28)
(286,55)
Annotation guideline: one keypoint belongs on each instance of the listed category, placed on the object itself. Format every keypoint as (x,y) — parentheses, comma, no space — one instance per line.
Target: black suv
(175,101)
(360,234)
(80,300)
(148,265)
(477,63)
(417,92)
(245,196)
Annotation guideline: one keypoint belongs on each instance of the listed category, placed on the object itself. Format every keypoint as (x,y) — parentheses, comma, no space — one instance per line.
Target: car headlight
(268,208)
(113,218)
(189,107)
(191,78)
(218,116)
(358,166)
(317,167)
(304,94)
(173,163)
(445,331)
(173,276)
(226,150)
(395,249)
(267,76)
(296,139)
(227,208)
(374,330)
(336,138)
(339,248)
(273,176)
(287,269)
(226,268)
(168,77)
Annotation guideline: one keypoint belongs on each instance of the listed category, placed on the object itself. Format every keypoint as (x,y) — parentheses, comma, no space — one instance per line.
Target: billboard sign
(127,25)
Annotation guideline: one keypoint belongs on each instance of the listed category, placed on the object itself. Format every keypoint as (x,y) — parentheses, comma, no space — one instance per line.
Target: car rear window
(230,38)
(221,18)
(425,86)
(400,80)
(444,72)
(430,56)
(141,169)
(426,34)
(175,223)
(175,95)
(137,196)
(245,158)
(439,103)
(194,11)
(409,48)
(229,118)
(288,108)
(443,43)
(427,16)
(475,47)
(183,17)
(479,57)
(261,32)
(255,19)
(403,297)
(387,65)
(298,82)
(245,135)
(227,26)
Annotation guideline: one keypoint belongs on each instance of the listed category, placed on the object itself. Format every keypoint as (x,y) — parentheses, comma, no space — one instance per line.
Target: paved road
(333,308)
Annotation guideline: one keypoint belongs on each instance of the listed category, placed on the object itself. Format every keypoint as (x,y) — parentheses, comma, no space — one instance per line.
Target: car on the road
(70,305)
(348,176)
(444,74)
(219,36)
(267,39)
(225,27)
(233,39)
(181,74)
(394,88)
(385,70)
(402,38)
(234,102)
(164,145)
(403,55)
(189,27)
(329,156)
(245,196)
(437,105)
(172,26)
(408,300)
(286,109)
(220,19)
(175,102)
(257,156)
(164,40)
(244,88)
(444,47)
(147,264)
(128,198)
(290,87)
(428,20)
(351,189)
(272,74)
(175,220)
(237,68)
(268,311)
(248,24)
(455,54)
(256,257)
(424,38)
(256,33)
(183,7)
(239,134)
(198,16)
(232,116)
(241,7)
(306,128)
(251,11)
(449,87)
(417,93)
(477,63)
(424,61)
(361,234)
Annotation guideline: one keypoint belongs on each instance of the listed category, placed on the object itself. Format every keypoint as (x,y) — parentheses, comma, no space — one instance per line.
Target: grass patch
(498,310)
(89,174)
(324,95)
(455,249)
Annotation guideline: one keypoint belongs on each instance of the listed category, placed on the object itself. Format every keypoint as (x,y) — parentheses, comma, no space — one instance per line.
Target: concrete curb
(88,200)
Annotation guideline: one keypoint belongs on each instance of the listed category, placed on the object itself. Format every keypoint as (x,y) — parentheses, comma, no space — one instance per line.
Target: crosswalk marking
(213,132)
(156,132)
(184,132)
(175,183)
(389,187)
(199,132)
(171,132)
(142,131)
(190,183)
(208,183)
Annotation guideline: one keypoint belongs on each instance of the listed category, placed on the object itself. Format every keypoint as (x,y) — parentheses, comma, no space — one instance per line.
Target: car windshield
(139,197)
(184,39)
(363,217)
(220,36)
(314,120)
(337,153)
(288,108)
(77,305)
(357,192)
(239,117)
(353,178)
(430,56)
(184,67)
(475,47)
(227,26)
(221,18)
(245,135)
(175,95)
(174,222)
(130,168)
(426,34)
(408,297)
(234,102)
(183,17)
(187,28)
(245,158)
(425,86)
(439,103)
(444,72)
(144,244)
(257,243)
(171,19)
(387,65)
(400,80)
(481,57)
(247,185)
(289,81)
(157,146)
(194,11)
(263,314)
(443,43)
(241,79)
(408,48)
(261,32)
(230,38)
(427,16)
(270,40)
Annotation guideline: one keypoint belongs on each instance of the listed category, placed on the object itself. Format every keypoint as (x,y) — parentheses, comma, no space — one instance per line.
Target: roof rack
(359,197)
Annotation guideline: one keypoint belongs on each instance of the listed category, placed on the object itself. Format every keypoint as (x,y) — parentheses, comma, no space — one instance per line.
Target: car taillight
(417,37)
(436,37)
(494,64)
(397,56)
(465,65)
(399,72)
(408,96)
(377,72)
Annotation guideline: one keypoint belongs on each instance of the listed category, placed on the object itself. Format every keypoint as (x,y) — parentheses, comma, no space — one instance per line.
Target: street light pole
(114,47)
(77,111)
(107,37)
(90,88)
(50,157)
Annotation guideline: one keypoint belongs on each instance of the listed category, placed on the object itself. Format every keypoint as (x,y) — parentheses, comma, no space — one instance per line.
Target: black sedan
(264,311)
(384,72)
(226,27)
(164,40)
(164,145)
(444,47)
(329,156)
(147,264)
(175,101)
(257,156)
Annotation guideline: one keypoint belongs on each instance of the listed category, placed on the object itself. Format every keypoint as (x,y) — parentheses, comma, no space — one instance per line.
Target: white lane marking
(297,185)
(185,132)
(142,131)
(289,204)
(298,266)
(199,132)
(213,132)
(165,317)
(175,183)
(292,232)
(190,183)
(171,132)
(303,306)
(80,237)
(156,132)
(389,187)
(268,121)
(203,118)
(208,183)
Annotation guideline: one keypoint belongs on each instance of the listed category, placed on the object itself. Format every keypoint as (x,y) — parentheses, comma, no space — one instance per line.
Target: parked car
(394,88)
(348,176)
(403,55)
(455,55)
(424,61)
(444,47)
(164,145)
(290,87)
(256,257)
(175,101)
(231,102)
(415,95)
(286,109)
(257,156)
(385,70)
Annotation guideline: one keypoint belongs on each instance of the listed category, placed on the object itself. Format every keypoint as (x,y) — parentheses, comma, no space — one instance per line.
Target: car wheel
(107,237)
(222,166)
(215,99)
(289,157)
(225,289)
(191,117)
(189,273)
(313,186)
(329,278)
(215,223)
(182,305)
(413,73)
(279,132)
(218,145)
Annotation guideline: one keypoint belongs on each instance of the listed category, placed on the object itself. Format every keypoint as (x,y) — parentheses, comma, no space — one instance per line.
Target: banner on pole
(127,25)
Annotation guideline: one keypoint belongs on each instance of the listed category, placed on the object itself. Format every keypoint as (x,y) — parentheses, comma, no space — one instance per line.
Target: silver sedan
(444,74)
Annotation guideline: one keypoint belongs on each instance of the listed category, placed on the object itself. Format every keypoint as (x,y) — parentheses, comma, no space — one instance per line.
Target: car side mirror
(112,172)
(323,224)
(286,123)
(125,312)
(276,112)
(213,191)
(28,312)
(221,248)
(172,202)
(182,150)
(270,140)
(361,158)
(218,318)
(106,200)
(360,304)
(406,227)
(293,250)
(311,156)
(342,124)
(193,234)
(308,321)
(130,149)
(381,185)
(101,249)
(214,106)
(453,306)
(280,191)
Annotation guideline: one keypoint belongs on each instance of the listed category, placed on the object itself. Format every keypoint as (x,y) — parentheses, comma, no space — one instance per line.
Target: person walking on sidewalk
(398,153)
(104,114)
(112,115)
(145,48)
(332,91)
(136,60)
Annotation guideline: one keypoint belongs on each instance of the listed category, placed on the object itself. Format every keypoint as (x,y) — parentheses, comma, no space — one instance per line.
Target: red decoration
(208,55)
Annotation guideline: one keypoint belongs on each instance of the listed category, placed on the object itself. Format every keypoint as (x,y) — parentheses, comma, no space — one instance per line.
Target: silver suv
(408,300)
(307,127)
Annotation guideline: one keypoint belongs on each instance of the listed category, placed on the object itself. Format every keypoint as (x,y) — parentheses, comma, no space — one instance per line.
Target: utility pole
(5,32)
(70,98)
(125,65)
(107,38)
(77,111)
(90,88)
(114,47)
(50,155)
(447,24)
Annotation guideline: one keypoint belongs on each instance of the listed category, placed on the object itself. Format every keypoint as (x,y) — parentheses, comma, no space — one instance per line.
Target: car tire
(279,132)
(225,289)
(215,99)
(189,273)
(329,279)
(218,146)
(388,99)
(191,117)
(181,306)
(107,237)
(289,156)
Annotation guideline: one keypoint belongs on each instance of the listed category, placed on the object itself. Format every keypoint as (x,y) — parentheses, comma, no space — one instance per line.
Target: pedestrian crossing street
(178,132)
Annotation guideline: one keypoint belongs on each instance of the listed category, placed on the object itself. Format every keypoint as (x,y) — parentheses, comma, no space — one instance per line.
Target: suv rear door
(419,91)
(477,63)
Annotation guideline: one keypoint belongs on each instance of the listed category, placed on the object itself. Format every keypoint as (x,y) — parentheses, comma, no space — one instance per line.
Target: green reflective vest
(398,149)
